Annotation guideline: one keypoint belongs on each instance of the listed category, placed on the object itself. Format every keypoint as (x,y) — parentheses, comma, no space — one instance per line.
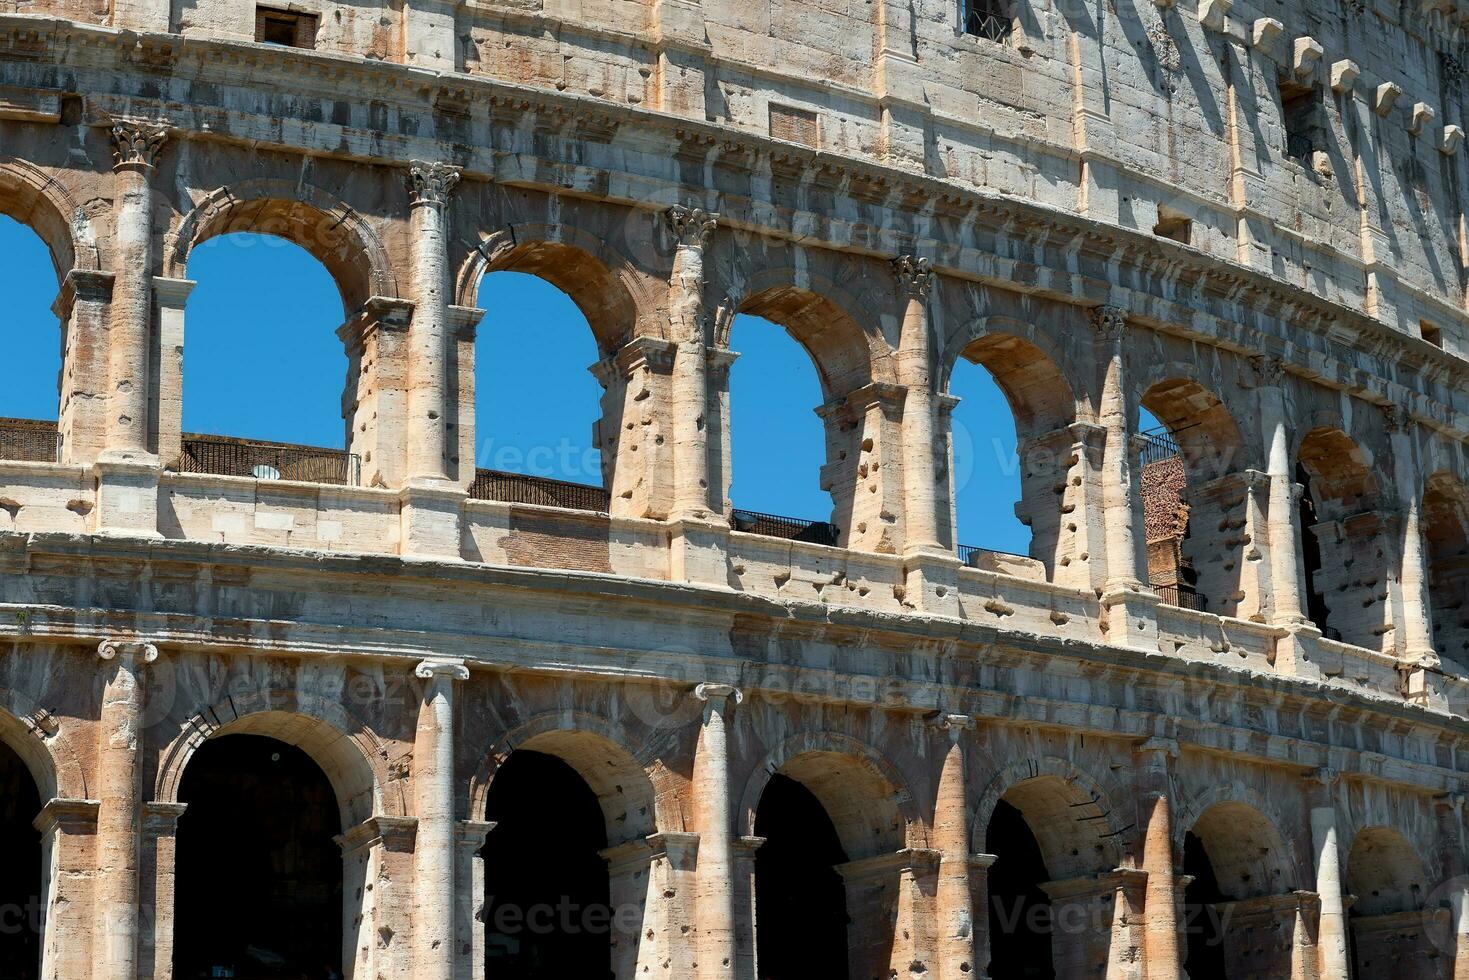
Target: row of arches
(262,888)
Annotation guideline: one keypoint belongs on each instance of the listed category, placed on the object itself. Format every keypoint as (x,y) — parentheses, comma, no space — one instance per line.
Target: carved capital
(723,693)
(136,649)
(691,227)
(452,669)
(1269,371)
(915,276)
(432,183)
(1110,322)
(1396,418)
(955,725)
(136,144)
(1325,777)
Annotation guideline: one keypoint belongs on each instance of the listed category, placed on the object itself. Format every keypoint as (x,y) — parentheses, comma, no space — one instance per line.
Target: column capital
(1157,745)
(1110,322)
(691,227)
(110,649)
(719,692)
(955,725)
(1397,418)
(1270,371)
(915,276)
(432,183)
(1325,777)
(136,144)
(452,669)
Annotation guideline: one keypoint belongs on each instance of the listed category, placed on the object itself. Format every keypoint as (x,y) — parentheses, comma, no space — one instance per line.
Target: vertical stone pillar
(167,373)
(1331,936)
(435,848)
(376,402)
(429,36)
(1282,519)
(1129,603)
(378,898)
(469,909)
(714,882)
(120,782)
(746,958)
(429,187)
(1416,655)
(954,898)
(160,838)
(979,891)
(129,344)
(82,308)
(1154,760)
(691,229)
(68,831)
(921,503)
(1449,814)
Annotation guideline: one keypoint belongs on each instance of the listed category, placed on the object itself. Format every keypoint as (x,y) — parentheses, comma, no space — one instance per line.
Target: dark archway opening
(548,913)
(21,899)
(1311,555)
(259,879)
(1202,927)
(800,898)
(1020,911)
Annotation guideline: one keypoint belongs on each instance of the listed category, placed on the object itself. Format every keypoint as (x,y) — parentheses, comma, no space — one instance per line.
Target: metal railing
(221,456)
(30,441)
(790,528)
(516,488)
(986,19)
(1182,596)
(1158,445)
(969,554)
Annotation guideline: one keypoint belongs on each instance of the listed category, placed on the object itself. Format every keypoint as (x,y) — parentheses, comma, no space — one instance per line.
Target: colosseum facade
(375,713)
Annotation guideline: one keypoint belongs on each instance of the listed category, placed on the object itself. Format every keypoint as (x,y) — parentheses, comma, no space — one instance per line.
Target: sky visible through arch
(262,360)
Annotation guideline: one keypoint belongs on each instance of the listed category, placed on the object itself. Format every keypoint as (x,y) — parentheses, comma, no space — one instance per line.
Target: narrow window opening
(1431,333)
(1173,225)
(285,27)
(989,19)
(1300,115)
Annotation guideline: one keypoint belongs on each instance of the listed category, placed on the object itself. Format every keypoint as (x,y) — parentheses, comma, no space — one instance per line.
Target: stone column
(1286,572)
(1154,760)
(691,229)
(167,398)
(1331,936)
(746,959)
(378,898)
(120,785)
(979,892)
(1416,653)
(954,898)
(129,344)
(429,188)
(921,504)
(1449,812)
(82,308)
(68,831)
(160,838)
(714,889)
(435,846)
(469,909)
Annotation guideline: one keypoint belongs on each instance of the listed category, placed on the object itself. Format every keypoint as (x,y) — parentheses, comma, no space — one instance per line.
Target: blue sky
(263,361)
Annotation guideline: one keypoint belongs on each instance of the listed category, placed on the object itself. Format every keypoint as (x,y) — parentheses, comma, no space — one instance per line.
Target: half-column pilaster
(429,188)
(714,942)
(954,896)
(1415,650)
(691,228)
(435,850)
(1154,763)
(1331,933)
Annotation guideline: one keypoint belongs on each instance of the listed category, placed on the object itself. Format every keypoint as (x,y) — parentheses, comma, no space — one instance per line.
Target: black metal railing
(969,554)
(1182,596)
(986,19)
(29,441)
(517,488)
(1299,146)
(221,456)
(790,528)
(1158,445)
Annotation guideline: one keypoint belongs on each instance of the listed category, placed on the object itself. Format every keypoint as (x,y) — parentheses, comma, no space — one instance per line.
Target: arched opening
(1048,908)
(538,433)
(22,893)
(1388,929)
(264,367)
(31,406)
(1019,911)
(548,906)
(258,872)
(800,899)
(1013,447)
(1344,540)
(1195,501)
(777,436)
(1240,892)
(1445,524)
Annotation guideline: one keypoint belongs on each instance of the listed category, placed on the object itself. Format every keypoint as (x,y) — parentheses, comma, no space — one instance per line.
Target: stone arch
(1030,369)
(848,351)
(1069,812)
(1343,478)
(1208,437)
(1445,527)
(632,807)
(1384,872)
(53,777)
(863,793)
(601,284)
(40,202)
(1241,835)
(353,757)
(328,228)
